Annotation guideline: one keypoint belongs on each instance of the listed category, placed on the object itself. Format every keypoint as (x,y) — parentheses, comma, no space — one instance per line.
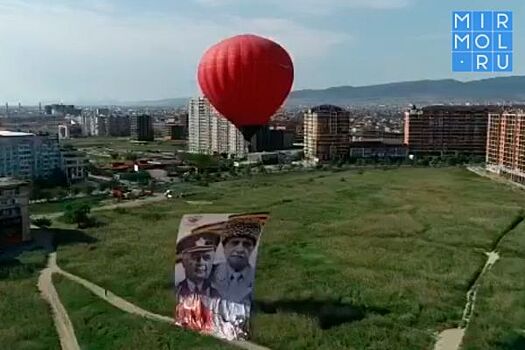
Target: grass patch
(407,241)
(25,321)
(55,207)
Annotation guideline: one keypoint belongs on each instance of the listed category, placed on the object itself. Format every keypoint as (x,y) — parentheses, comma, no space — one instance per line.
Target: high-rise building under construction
(506,144)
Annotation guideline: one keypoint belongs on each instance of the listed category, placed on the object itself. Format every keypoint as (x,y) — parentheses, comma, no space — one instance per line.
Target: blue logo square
(502,41)
(482,62)
(461,41)
(502,61)
(462,20)
(462,62)
(482,21)
(482,41)
(502,21)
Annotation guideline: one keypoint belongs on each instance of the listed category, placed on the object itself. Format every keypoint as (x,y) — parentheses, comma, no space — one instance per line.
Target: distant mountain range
(492,90)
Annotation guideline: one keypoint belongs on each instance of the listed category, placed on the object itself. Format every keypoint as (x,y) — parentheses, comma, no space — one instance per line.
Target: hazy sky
(89,50)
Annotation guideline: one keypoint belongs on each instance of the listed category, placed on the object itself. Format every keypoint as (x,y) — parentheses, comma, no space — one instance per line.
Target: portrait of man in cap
(234,278)
(196,252)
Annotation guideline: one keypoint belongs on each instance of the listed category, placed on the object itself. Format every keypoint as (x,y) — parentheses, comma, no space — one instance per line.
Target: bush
(78,214)
(42,222)
(131,156)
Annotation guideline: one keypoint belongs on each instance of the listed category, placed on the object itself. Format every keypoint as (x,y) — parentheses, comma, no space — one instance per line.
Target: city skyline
(119,50)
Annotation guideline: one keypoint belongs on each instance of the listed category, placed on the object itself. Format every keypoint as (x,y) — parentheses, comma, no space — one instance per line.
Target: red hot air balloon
(246,78)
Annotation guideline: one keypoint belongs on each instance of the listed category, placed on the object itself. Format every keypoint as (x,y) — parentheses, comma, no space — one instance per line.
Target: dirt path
(113,299)
(128,307)
(65,330)
(450,339)
(127,204)
(63,324)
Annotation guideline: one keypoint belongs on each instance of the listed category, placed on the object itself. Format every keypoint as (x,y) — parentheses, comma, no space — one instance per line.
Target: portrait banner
(215,263)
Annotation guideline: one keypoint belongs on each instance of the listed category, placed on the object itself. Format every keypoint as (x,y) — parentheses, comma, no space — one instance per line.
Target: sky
(82,51)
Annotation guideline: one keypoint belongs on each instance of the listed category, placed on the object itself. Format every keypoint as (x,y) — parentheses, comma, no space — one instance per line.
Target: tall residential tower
(326,133)
(210,133)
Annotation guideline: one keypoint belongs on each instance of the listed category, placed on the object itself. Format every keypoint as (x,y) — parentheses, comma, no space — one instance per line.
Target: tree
(75,190)
(43,222)
(78,214)
(131,156)
(202,161)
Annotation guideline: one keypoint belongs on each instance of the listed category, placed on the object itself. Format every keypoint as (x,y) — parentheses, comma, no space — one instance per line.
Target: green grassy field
(379,260)
(100,326)
(25,319)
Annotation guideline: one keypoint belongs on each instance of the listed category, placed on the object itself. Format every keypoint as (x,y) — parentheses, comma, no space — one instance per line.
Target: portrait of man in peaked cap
(196,252)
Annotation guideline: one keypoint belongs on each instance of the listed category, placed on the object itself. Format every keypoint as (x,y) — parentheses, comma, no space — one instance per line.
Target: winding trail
(61,319)
(63,324)
(65,330)
(450,339)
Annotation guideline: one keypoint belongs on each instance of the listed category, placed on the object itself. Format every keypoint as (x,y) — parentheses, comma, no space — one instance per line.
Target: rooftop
(6,182)
(327,108)
(5,133)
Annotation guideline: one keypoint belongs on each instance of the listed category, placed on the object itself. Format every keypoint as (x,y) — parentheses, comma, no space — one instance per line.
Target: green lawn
(25,318)
(99,326)
(395,251)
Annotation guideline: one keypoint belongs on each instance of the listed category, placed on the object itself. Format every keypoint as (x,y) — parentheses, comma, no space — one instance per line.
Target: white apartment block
(25,155)
(210,133)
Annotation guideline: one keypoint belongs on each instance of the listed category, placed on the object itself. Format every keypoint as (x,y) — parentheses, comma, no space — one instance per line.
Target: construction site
(506,144)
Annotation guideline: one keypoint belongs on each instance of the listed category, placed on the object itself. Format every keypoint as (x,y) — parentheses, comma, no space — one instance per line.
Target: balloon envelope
(246,78)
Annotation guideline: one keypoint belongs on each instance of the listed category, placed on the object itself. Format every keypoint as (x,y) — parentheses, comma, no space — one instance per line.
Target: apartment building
(142,127)
(326,133)
(506,144)
(28,156)
(74,164)
(14,214)
(211,133)
(447,129)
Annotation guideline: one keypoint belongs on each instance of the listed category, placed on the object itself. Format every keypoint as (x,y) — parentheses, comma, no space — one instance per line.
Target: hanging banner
(215,272)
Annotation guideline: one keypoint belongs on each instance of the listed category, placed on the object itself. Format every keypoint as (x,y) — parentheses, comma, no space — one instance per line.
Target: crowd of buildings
(321,134)
(329,133)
